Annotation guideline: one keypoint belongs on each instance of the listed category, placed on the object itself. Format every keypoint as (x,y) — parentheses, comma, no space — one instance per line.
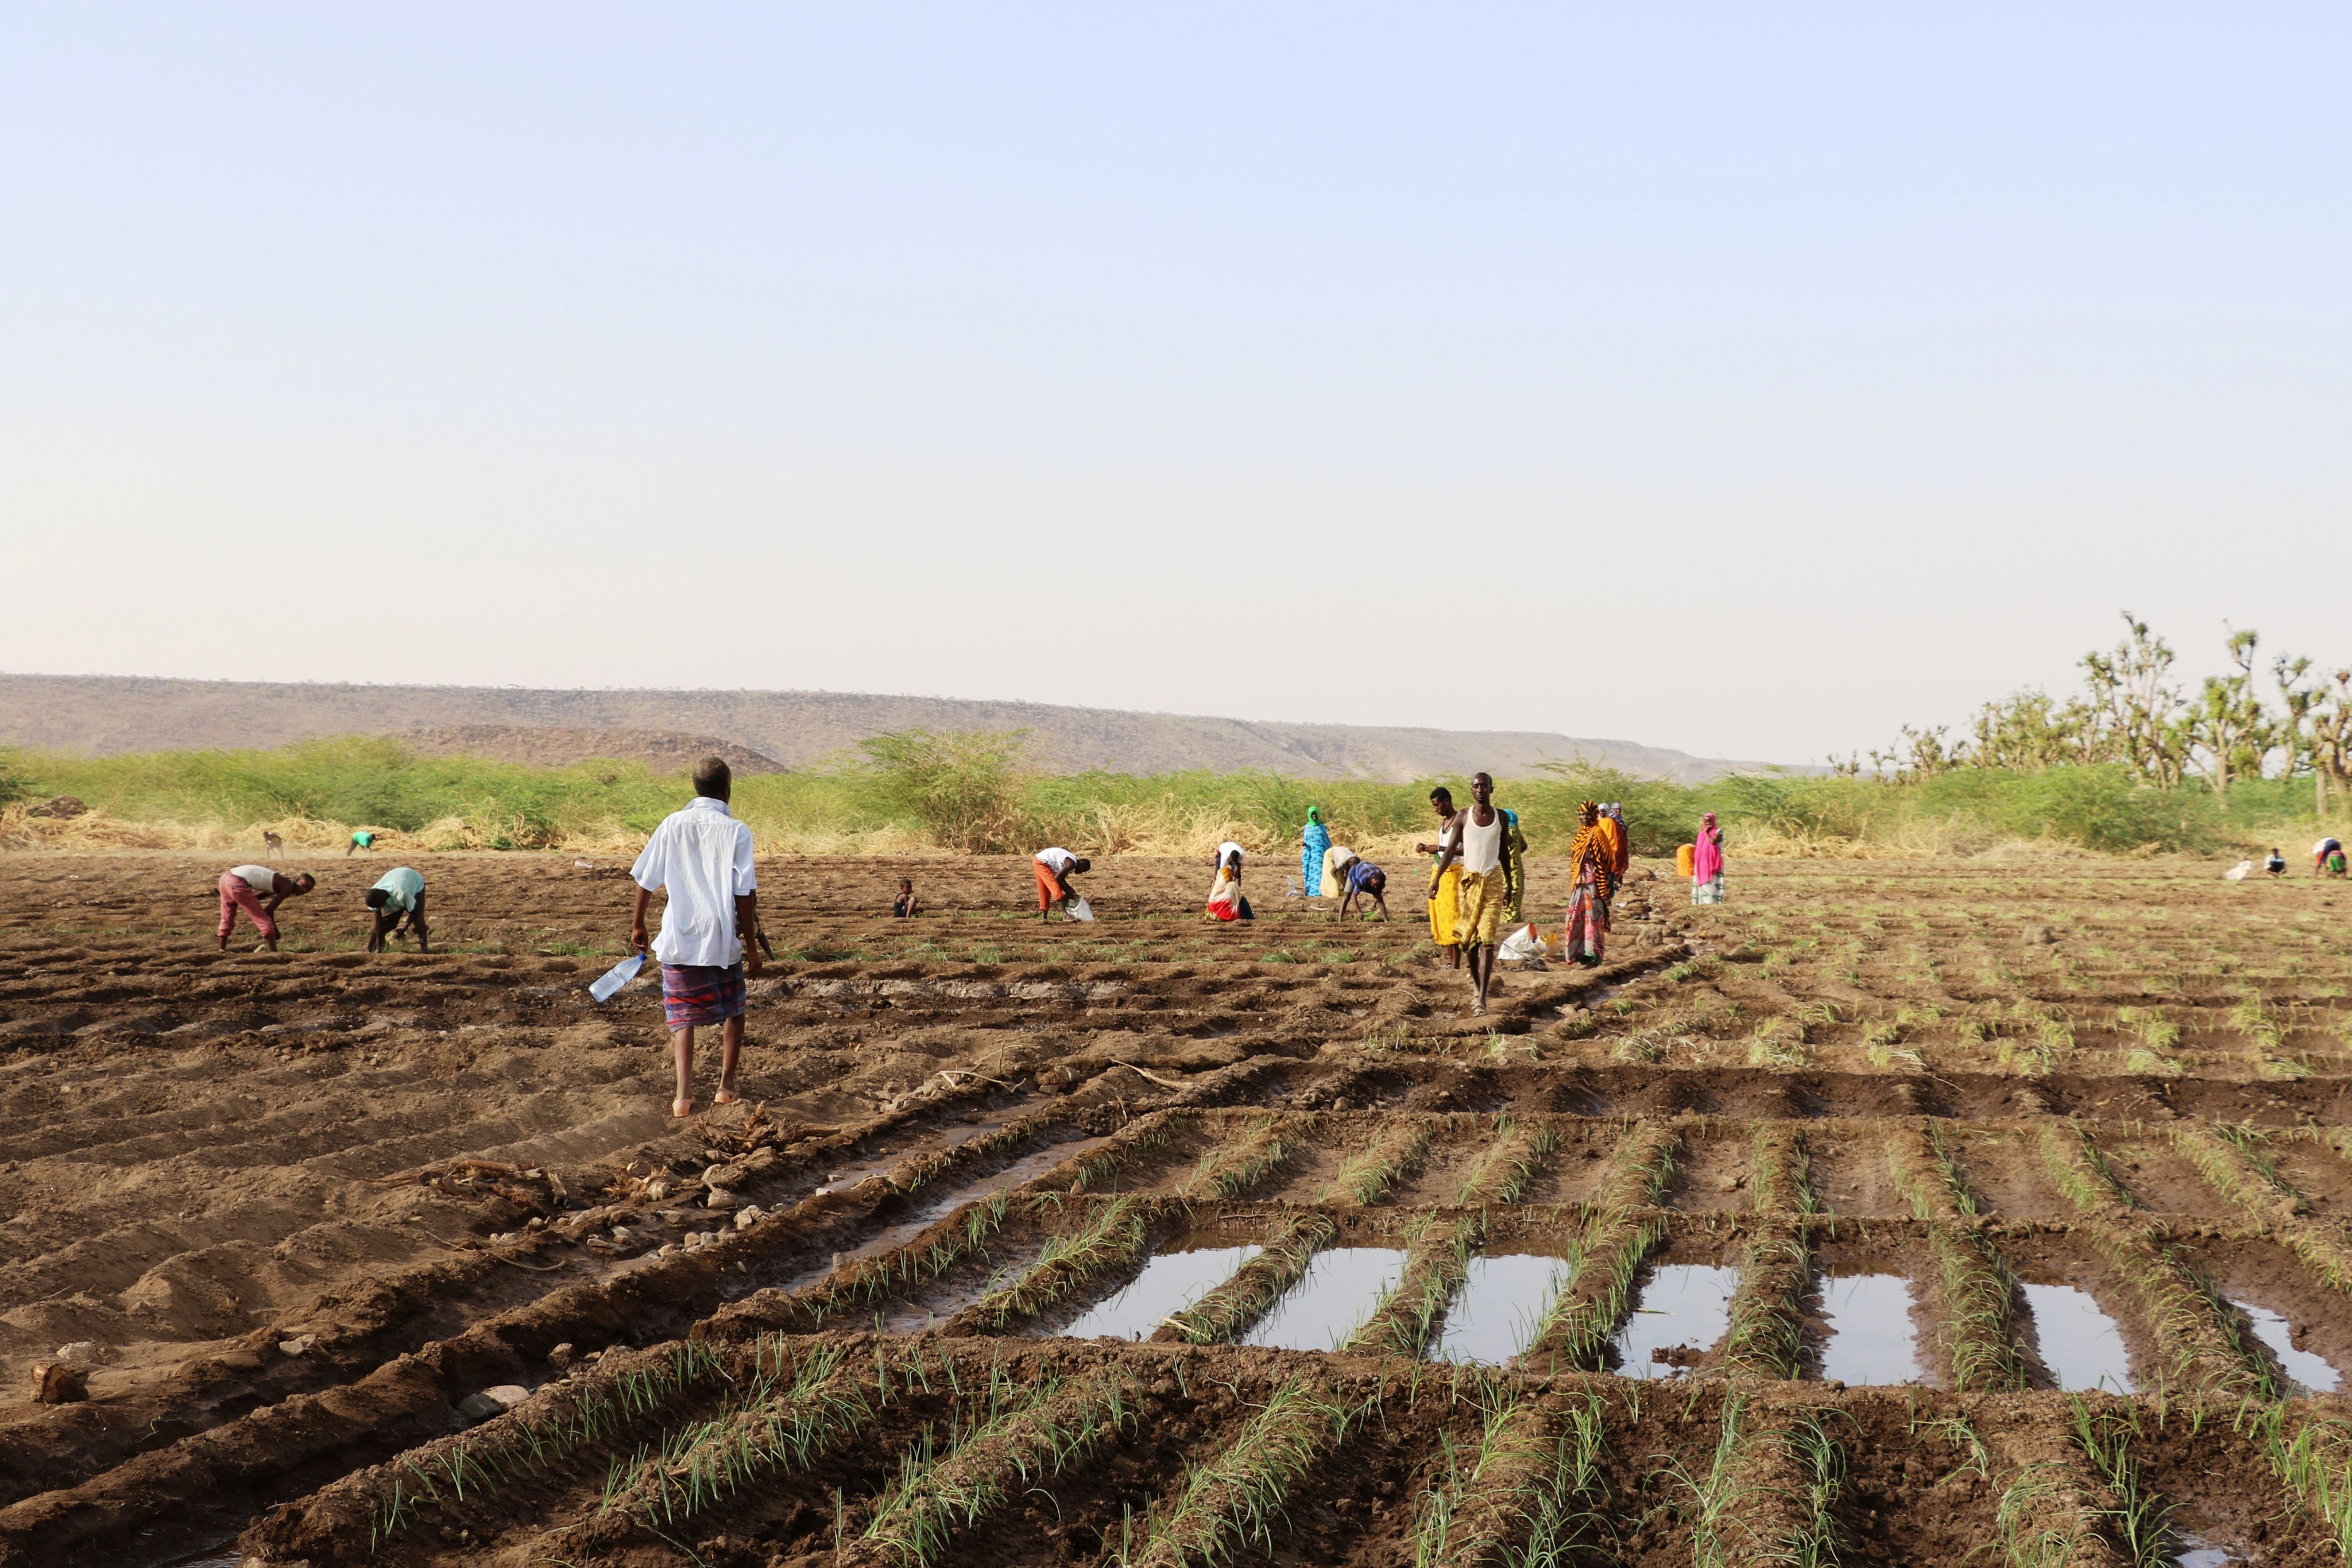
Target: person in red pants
(259,891)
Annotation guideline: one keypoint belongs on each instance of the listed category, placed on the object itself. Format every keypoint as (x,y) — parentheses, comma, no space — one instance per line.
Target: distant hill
(101,715)
(663,750)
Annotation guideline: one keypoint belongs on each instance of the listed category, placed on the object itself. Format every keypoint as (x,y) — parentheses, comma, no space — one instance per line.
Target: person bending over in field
(1360,878)
(397,897)
(259,891)
(362,840)
(1481,852)
(703,857)
(1445,878)
(906,906)
(1054,868)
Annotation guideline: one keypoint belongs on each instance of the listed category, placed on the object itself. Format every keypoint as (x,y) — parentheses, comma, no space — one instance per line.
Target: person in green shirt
(397,894)
(362,840)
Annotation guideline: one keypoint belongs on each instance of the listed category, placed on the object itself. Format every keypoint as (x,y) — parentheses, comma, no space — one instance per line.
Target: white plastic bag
(2238,872)
(1078,908)
(1523,947)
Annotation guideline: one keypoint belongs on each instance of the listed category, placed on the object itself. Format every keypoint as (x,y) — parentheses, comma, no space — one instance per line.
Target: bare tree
(2228,722)
(2139,705)
(2330,743)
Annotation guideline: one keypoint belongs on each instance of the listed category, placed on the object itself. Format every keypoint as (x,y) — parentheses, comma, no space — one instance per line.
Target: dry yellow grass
(1154,831)
(97,830)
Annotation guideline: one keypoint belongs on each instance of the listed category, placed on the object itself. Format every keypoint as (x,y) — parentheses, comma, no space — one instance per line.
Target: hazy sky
(1747,379)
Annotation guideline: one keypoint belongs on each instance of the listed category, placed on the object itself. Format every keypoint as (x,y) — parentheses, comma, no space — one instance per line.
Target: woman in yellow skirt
(1445,891)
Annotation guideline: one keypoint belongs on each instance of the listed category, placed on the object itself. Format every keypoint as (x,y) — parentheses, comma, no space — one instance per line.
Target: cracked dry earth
(1894,1214)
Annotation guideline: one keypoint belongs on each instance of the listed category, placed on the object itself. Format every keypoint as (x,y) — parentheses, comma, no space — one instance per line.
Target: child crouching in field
(701,857)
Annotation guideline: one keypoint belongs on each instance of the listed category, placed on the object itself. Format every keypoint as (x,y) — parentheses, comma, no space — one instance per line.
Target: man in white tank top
(1485,885)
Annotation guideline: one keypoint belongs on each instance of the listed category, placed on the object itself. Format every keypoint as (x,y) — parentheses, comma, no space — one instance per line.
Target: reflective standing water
(2193,1550)
(1871,1340)
(1501,1304)
(2312,1372)
(1169,1283)
(1682,1313)
(1330,1302)
(2081,1345)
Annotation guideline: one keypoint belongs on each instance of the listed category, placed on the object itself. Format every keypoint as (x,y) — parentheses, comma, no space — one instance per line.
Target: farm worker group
(700,857)
(1478,879)
(397,899)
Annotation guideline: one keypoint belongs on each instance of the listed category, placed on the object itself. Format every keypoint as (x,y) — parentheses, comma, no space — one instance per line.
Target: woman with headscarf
(1225,900)
(1706,862)
(1592,860)
(1312,844)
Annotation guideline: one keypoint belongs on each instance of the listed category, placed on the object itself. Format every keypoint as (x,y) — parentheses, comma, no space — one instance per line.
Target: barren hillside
(101,715)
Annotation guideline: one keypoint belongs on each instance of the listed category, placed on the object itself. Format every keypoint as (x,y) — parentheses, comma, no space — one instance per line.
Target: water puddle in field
(1677,1318)
(1171,1282)
(1332,1299)
(2314,1372)
(2190,1550)
(2080,1345)
(1501,1305)
(1872,1340)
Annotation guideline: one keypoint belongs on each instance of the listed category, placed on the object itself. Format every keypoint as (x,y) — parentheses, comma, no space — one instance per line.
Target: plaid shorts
(701,993)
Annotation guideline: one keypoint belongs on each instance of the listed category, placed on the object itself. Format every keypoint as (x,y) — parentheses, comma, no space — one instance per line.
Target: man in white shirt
(702,856)
(1054,868)
(1480,846)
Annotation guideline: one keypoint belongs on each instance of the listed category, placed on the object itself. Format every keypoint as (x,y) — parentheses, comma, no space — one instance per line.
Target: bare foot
(724,1097)
(681,1107)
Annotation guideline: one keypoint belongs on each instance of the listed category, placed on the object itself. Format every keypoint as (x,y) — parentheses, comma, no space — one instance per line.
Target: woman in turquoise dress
(1312,843)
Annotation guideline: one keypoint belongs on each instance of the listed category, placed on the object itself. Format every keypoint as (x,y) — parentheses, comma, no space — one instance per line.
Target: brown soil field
(1931,1212)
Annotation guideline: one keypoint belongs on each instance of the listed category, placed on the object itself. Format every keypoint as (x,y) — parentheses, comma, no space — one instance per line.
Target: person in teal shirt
(398,894)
